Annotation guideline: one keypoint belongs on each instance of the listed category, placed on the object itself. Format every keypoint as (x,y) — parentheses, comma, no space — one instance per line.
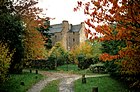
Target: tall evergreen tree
(11,32)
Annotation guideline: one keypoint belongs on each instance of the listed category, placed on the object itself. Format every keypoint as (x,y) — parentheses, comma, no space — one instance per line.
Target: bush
(51,63)
(85,63)
(5,58)
(42,64)
(98,68)
(57,55)
(112,68)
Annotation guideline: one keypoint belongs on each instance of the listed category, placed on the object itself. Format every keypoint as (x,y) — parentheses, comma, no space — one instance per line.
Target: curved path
(50,77)
(66,84)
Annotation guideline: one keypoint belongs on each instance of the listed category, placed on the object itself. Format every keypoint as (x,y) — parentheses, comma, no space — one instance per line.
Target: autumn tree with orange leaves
(32,40)
(125,14)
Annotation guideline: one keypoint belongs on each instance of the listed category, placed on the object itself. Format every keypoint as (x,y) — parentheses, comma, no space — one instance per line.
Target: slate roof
(75,28)
(56,28)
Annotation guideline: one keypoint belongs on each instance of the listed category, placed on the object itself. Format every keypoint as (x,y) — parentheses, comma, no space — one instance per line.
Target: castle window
(55,37)
(73,40)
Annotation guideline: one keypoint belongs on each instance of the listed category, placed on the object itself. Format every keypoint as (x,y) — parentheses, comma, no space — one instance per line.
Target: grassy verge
(52,87)
(20,82)
(71,68)
(104,84)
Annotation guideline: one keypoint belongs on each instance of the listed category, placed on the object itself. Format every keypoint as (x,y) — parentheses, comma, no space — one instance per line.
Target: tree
(82,49)
(34,45)
(125,14)
(96,46)
(110,49)
(34,40)
(26,11)
(57,52)
(44,29)
(11,31)
(85,53)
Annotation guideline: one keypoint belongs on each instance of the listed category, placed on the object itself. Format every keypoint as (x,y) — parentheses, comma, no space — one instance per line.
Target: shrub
(98,68)
(85,63)
(5,58)
(86,53)
(57,55)
(112,68)
(42,64)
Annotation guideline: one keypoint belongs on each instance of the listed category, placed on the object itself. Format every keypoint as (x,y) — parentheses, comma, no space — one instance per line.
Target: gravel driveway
(66,84)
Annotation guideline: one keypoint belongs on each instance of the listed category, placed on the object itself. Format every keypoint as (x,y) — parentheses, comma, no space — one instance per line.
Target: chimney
(65,24)
(70,27)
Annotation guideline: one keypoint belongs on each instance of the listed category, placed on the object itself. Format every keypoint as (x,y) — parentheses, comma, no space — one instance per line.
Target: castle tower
(65,30)
(82,33)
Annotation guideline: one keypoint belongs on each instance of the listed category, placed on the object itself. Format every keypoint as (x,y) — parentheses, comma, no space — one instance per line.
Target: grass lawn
(72,68)
(52,87)
(14,83)
(104,84)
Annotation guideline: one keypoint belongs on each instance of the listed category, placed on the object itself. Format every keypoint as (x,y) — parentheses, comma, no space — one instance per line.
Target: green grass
(72,68)
(69,67)
(104,84)
(14,83)
(52,87)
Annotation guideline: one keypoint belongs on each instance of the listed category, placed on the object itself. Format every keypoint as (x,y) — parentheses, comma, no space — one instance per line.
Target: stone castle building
(70,35)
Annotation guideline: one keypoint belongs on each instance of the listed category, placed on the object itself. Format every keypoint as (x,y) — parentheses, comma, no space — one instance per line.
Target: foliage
(85,63)
(14,83)
(84,49)
(42,64)
(113,46)
(15,11)
(57,55)
(96,46)
(44,29)
(34,45)
(97,68)
(80,53)
(34,40)
(86,53)
(110,50)
(5,60)
(11,32)
(104,84)
(3,6)
(125,15)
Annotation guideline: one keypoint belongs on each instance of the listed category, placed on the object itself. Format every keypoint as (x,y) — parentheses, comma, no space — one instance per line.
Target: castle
(70,35)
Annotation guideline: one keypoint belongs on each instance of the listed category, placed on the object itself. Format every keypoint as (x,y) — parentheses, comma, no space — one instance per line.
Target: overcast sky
(62,10)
